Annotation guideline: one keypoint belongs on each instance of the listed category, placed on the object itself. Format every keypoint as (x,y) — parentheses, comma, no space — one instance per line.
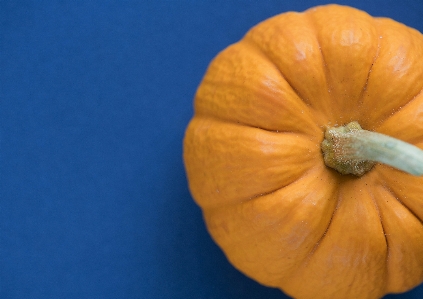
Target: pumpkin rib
(410,131)
(314,249)
(310,19)
(258,196)
(401,277)
(306,173)
(316,265)
(239,123)
(280,92)
(398,110)
(400,65)
(240,239)
(320,240)
(388,249)
(272,40)
(399,182)
(380,217)
(397,197)
(363,91)
(273,148)
(212,210)
(328,66)
(257,48)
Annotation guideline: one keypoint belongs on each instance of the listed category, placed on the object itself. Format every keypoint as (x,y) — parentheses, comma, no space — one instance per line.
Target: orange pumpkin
(255,154)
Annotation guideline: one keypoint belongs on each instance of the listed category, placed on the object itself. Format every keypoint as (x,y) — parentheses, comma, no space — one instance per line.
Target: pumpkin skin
(254,164)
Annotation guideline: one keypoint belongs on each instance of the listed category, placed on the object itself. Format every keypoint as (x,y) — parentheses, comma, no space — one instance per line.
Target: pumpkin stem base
(351,150)
(338,152)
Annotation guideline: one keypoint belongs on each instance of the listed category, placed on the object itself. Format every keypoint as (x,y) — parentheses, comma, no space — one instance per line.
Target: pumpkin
(304,154)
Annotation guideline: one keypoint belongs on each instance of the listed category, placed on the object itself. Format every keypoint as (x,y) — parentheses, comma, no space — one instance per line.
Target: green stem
(352,150)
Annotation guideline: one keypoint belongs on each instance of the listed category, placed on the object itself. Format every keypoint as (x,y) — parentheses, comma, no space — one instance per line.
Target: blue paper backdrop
(95,96)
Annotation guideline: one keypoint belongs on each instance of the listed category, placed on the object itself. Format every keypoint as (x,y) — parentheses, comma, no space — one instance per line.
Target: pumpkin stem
(351,150)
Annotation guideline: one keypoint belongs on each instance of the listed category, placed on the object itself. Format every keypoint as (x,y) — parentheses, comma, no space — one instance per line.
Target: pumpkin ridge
(397,280)
(405,182)
(380,217)
(388,249)
(252,198)
(283,76)
(310,18)
(315,247)
(346,88)
(305,261)
(363,91)
(284,94)
(258,196)
(306,173)
(319,102)
(399,110)
(240,240)
(397,197)
(239,123)
(398,65)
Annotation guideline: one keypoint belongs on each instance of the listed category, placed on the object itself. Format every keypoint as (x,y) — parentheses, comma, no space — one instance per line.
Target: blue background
(95,97)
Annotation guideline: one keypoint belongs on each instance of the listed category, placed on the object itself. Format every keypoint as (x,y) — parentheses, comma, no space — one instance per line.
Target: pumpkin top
(254,162)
